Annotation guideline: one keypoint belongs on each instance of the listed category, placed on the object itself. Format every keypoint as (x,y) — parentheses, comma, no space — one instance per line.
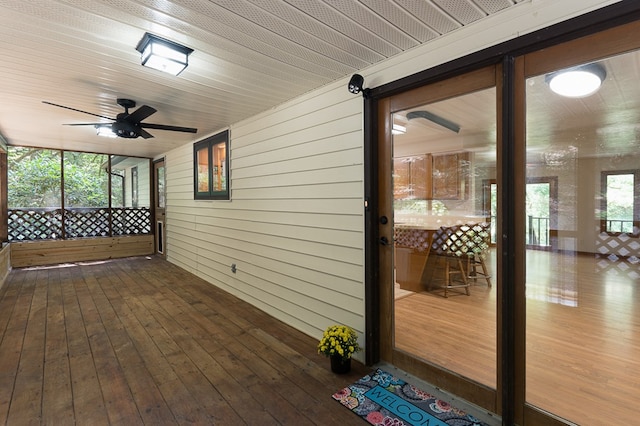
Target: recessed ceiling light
(577,82)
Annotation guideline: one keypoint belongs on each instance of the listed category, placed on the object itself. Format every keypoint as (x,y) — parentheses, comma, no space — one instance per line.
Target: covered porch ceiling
(249,56)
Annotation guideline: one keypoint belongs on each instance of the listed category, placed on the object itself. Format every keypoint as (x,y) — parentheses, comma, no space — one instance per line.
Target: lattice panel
(619,245)
(46,224)
(86,223)
(620,253)
(461,240)
(417,239)
(130,221)
(31,224)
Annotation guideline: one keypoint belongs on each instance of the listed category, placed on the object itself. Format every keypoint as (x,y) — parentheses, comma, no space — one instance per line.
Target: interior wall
(294,225)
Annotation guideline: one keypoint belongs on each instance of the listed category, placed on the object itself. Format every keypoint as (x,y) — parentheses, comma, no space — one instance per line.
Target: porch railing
(538,231)
(55,223)
(620,226)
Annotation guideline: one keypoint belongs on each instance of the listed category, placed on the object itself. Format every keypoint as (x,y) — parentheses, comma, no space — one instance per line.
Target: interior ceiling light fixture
(436,119)
(577,82)
(398,129)
(162,54)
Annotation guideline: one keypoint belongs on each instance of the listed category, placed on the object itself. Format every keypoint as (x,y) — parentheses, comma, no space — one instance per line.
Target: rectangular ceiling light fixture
(162,54)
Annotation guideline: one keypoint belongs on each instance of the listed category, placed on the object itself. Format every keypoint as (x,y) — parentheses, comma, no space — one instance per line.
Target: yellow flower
(339,339)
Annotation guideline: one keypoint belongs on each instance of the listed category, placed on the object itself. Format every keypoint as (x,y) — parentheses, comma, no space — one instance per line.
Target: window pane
(203,169)
(619,199)
(219,157)
(160,183)
(582,298)
(444,300)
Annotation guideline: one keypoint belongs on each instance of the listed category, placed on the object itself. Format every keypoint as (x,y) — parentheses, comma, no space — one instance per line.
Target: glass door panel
(444,262)
(583,316)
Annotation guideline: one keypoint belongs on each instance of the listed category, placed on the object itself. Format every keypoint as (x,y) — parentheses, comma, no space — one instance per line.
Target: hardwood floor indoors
(140,341)
(583,335)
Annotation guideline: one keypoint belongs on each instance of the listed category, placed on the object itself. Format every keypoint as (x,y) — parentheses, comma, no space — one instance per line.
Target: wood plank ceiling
(249,56)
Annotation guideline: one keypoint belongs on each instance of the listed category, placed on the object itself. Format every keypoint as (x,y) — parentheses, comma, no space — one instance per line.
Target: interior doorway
(542,212)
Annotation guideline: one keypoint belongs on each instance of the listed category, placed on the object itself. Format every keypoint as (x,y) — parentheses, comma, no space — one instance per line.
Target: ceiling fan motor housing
(124,130)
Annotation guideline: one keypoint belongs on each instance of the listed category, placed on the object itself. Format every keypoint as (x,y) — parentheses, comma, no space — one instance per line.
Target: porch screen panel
(86,194)
(34,194)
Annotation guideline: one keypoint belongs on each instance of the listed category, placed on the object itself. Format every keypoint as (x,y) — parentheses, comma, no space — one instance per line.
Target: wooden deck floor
(140,341)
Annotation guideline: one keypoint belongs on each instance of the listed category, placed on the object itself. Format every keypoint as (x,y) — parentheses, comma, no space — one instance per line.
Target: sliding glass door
(554,333)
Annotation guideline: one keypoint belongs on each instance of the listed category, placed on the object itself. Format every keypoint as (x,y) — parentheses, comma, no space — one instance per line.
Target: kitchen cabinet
(412,177)
(432,177)
(450,176)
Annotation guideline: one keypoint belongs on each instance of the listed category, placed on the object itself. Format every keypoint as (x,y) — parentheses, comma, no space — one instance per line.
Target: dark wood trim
(477,393)
(383,311)
(507,190)
(371,220)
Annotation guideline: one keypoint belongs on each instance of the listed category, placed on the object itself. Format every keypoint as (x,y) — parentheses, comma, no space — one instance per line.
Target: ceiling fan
(128,125)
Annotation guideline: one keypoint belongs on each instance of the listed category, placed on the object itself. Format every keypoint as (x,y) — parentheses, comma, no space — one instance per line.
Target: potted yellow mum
(339,342)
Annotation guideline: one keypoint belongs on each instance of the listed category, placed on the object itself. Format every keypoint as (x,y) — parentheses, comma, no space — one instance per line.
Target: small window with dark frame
(620,202)
(211,168)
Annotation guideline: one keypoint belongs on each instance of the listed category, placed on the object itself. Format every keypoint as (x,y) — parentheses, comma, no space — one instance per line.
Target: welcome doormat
(382,399)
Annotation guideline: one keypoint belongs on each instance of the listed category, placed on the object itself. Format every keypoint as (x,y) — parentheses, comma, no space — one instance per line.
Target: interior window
(619,190)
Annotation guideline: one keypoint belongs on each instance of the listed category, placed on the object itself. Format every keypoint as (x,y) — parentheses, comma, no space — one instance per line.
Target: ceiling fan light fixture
(105,131)
(577,82)
(162,54)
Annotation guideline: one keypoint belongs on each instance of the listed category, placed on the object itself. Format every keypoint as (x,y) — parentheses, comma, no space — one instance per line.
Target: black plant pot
(340,365)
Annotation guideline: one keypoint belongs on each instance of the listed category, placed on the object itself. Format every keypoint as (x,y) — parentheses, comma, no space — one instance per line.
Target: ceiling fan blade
(86,124)
(166,127)
(144,133)
(140,114)
(78,110)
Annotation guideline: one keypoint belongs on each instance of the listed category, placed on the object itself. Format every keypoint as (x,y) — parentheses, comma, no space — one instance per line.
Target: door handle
(384,241)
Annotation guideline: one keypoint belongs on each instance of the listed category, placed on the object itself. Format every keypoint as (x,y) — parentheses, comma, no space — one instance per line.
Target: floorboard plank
(88,403)
(13,334)
(57,397)
(26,402)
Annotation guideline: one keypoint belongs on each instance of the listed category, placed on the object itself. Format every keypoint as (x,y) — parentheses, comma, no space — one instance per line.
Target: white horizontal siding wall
(294,226)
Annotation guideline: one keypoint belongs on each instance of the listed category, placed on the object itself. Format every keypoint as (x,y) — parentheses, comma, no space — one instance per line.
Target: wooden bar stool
(449,245)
